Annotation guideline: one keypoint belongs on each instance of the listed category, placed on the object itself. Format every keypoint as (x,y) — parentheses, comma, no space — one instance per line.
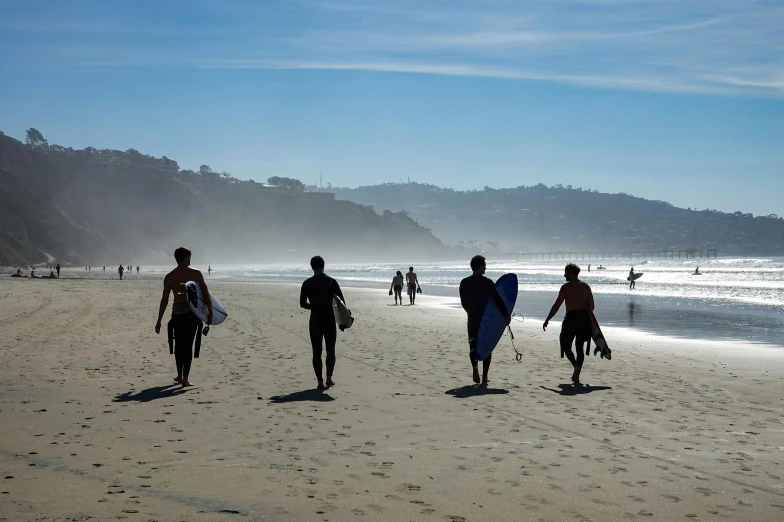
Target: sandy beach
(92,427)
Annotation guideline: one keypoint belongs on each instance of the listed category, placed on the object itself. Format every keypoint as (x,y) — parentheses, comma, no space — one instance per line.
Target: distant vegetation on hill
(541,218)
(109,207)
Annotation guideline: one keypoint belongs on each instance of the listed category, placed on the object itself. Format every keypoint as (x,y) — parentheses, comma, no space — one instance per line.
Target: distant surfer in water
(632,280)
(413,284)
(576,325)
(397,287)
(316,295)
(184,323)
(475,291)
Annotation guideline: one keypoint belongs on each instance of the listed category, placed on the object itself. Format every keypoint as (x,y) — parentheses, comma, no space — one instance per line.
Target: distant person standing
(632,280)
(120,271)
(576,325)
(475,291)
(184,325)
(589,267)
(89,268)
(209,270)
(316,295)
(137,269)
(104,268)
(397,287)
(58,270)
(413,284)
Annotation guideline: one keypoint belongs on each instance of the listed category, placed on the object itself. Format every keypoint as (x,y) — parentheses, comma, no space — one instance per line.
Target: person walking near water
(120,271)
(397,287)
(184,323)
(475,291)
(576,325)
(413,284)
(58,270)
(632,280)
(316,295)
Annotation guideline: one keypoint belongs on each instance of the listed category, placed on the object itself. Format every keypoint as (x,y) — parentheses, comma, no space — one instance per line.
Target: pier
(687,253)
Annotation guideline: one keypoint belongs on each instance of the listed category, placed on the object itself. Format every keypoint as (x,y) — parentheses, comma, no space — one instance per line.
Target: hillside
(541,218)
(109,207)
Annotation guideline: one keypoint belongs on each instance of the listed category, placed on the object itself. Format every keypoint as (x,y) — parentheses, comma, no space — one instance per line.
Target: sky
(676,100)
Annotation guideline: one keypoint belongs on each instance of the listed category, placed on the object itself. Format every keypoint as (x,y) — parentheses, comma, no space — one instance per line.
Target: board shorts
(577,325)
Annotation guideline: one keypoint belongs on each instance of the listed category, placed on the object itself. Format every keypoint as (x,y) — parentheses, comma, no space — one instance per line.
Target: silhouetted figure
(632,280)
(58,270)
(316,295)
(576,325)
(137,269)
(413,284)
(120,271)
(104,268)
(397,287)
(184,326)
(209,270)
(475,292)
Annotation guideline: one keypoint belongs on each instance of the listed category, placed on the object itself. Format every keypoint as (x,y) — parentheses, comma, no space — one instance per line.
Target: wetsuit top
(474,293)
(316,296)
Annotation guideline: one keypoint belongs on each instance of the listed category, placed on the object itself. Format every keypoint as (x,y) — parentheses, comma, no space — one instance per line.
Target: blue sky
(666,99)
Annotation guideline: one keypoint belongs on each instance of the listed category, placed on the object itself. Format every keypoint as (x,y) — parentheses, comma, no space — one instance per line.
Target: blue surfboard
(493,323)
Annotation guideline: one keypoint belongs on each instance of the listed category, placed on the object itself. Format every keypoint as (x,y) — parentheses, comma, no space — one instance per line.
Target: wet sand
(91,424)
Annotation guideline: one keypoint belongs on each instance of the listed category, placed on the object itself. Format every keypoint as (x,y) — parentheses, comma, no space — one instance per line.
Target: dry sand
(91,426)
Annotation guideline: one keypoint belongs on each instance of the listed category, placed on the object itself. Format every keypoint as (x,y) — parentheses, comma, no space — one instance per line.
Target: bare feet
(485,380)
(321,385)
(330,382)
(576,374)
(476,375)
(185,382)
(178,379)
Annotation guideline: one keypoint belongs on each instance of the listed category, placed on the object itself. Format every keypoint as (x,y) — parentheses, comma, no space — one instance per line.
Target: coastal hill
(109,207)
(551,219)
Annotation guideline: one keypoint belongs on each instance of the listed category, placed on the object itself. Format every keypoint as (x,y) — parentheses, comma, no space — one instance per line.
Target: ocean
(734,299)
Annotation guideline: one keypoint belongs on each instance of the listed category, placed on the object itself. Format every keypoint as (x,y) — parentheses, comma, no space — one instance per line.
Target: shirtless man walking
(184,322)
(576,325)
(413,284)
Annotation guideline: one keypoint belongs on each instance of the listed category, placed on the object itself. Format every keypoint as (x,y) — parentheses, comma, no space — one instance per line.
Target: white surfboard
(197,305)
(343,315)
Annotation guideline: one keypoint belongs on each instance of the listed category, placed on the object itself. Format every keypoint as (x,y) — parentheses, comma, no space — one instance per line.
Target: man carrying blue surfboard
(475,292)
(576,325)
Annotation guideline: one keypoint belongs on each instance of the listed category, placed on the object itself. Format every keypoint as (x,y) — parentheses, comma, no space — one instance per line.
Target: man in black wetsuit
(576,326)
(474,294)
(316,296)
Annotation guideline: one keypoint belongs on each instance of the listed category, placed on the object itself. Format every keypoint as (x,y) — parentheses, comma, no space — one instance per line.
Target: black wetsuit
(475,291)
(576,326)
(184,326)
(316,295)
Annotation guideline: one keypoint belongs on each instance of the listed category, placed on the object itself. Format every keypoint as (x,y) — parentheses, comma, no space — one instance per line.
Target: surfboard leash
(518,355)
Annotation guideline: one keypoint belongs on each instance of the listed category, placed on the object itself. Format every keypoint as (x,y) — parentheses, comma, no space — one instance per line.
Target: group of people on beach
(317,294)
(411,282)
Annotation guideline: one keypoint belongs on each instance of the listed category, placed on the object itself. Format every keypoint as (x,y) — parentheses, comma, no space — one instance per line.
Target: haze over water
(739,298)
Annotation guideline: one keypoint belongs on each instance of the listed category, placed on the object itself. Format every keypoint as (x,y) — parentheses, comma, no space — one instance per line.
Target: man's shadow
(576,389)
(473,390)
(150,394)
(305,395)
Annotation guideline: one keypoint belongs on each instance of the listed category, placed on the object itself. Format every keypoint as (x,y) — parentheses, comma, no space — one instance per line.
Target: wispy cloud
(710,46)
